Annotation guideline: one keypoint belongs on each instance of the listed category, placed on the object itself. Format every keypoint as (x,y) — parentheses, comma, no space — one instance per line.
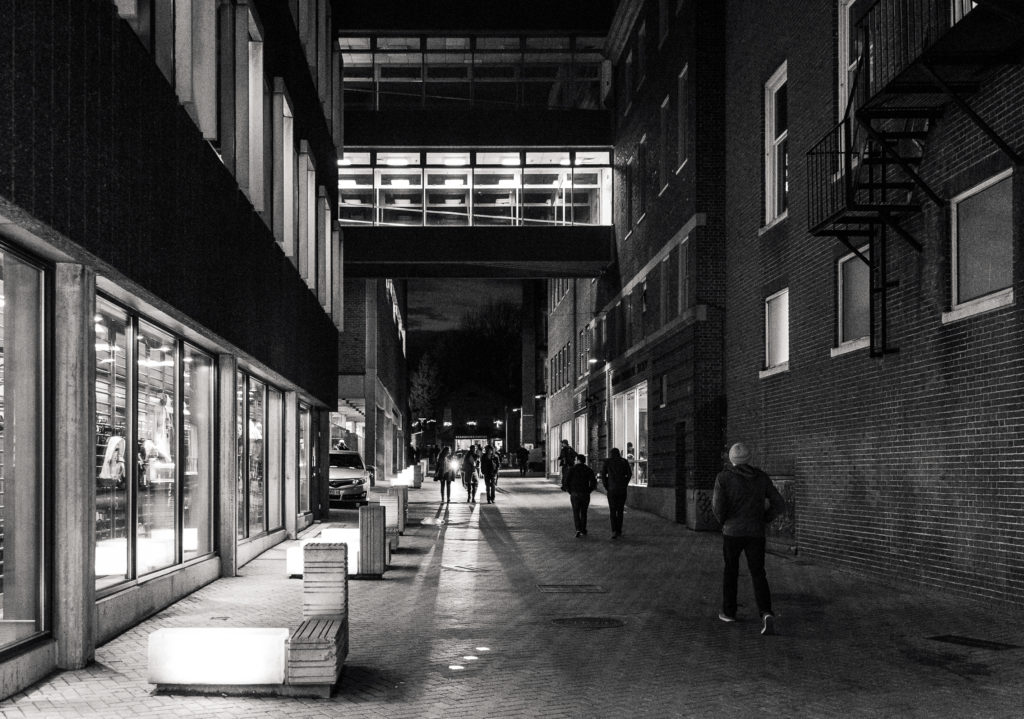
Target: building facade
(635,354)
(171,275)
(874,337)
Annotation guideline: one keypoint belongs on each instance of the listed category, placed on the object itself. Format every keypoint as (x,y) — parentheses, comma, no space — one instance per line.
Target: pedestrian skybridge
(476,213)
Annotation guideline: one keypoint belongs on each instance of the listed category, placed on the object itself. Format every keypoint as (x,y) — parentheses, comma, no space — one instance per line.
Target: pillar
(227,524)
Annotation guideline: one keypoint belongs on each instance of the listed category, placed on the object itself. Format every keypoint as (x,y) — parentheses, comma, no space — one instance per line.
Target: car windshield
(346,461)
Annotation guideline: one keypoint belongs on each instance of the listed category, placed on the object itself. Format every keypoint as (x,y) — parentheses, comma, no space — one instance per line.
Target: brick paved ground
(462,591)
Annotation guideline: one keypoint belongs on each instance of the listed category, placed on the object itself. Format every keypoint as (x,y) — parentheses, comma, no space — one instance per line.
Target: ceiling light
(397,162)
(510,161)
(455,162)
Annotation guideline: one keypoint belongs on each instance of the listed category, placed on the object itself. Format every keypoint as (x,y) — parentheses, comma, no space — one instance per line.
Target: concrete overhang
(505,252)
(478,127)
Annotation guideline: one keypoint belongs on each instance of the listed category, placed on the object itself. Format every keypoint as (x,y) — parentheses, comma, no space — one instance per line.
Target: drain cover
(573,588)
(589,622)
(972,642)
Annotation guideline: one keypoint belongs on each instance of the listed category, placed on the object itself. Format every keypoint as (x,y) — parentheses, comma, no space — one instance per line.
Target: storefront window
(273,438)
(198,433)
(156,448)
(629,429)
(240,443)
(21,473)
(304,446)
(256,424)
(113,459)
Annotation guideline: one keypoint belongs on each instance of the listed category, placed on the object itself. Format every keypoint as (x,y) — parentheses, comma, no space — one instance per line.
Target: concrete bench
(237,660)
(316,654)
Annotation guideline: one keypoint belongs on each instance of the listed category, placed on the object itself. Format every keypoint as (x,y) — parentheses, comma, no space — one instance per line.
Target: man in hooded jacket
(616,475)
(739,504)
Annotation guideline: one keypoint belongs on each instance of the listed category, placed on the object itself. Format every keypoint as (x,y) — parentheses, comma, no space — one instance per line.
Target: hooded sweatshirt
(739,501)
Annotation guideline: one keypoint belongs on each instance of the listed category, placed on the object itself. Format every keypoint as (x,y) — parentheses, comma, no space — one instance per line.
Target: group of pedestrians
(744,501)
(474,463)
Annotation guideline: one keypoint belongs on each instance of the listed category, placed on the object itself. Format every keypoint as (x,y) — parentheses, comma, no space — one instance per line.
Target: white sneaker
(725,617)
(768,624)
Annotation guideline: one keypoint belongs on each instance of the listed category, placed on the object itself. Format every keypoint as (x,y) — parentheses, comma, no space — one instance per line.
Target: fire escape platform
(499,252)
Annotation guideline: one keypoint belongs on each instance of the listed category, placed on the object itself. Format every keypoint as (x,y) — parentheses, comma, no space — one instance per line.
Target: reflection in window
(255,473)
(198,433)
(240,443)
(113,456)
(156,448)
(854,297)
(22,570)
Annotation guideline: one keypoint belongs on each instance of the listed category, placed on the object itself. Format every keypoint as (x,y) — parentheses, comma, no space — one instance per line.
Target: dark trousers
(580,504)
(753,547)
(616,508)
(446,488)
(491,483)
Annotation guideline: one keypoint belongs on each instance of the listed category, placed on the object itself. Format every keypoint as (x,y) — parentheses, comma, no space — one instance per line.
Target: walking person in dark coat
(489,465)
(739,504)
(615,476)
(523,459)
(470,463)
(566,458)
(579,482)
(444,474)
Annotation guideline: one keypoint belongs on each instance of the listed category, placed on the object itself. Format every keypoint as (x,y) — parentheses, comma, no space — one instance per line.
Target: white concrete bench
(210,659)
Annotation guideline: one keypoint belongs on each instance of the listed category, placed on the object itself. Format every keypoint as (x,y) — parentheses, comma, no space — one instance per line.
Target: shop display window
(274,434)
(304,457)
(156,448)
(629,429)
(255,474)
(23,575)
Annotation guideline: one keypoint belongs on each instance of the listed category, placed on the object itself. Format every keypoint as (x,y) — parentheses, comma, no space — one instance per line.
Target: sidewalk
(461,626)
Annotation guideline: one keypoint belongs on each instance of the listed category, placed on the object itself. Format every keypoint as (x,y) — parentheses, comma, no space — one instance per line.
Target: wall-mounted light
(471,423)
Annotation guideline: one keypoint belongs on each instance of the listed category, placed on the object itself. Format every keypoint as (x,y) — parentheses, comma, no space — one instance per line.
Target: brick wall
(906,466)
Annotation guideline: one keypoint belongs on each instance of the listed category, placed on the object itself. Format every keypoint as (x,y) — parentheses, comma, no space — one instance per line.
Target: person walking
(523,459)
(615,476)
(470,463)
(579,482)
(739,505)
(566,458)
(444,474)
(489,465)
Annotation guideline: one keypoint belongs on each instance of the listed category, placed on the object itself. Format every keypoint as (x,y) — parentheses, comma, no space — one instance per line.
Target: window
(776,330)
(254,184)
(24,575)
(684,276)
(641,171)
(682,126)
(776,146)
(641,54)
(854,291)
(627,201)
(663,21)
(664,390)
(629,429)
(581,435)
(666,153)
(983,243)
(848,53)
(154,447)
(627,83)
(305,451)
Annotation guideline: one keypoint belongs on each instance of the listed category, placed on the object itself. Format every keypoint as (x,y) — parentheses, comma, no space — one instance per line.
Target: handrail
(901,31)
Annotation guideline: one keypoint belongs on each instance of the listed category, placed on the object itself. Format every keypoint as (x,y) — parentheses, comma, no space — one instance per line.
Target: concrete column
(323,446)
(371,455)
(291,463)
(227,524)
(74,405)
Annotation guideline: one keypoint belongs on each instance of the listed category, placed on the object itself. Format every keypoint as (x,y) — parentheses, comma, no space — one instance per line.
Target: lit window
(776,330)
(629,429)
(983,240)
(776,146)
(854,279)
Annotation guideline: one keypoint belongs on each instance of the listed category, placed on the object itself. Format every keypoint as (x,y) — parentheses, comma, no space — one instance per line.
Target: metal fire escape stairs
(918,57)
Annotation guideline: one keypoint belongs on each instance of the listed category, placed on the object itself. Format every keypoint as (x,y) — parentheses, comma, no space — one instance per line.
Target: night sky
(437,305)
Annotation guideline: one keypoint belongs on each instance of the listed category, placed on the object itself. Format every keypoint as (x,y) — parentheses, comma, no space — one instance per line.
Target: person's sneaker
(579,533)
(725,617)
(768,624)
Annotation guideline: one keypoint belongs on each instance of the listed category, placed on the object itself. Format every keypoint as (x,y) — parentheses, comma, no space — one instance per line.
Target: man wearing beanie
(739,504)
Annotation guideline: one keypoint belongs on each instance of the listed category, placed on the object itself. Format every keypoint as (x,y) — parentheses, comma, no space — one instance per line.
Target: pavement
(497,610)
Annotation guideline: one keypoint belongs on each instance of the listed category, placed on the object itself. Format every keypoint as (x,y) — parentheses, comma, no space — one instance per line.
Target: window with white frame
(776,330)
(854,291)
(983,240)
(629,429)
(776,146)
(682,126)
(848,53)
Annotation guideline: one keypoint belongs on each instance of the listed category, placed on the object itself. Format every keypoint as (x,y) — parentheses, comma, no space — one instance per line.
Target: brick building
(873,353)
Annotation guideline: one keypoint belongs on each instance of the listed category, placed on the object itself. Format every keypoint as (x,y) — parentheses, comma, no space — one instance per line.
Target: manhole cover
(972,642)
(460,568)
(589,622)
(572,588)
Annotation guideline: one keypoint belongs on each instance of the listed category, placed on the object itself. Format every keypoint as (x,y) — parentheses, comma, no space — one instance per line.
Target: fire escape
(917,57)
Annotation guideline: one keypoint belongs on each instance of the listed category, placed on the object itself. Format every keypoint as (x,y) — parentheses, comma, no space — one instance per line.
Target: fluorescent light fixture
(397,162)
(457,182)
(510,161)
(455,162)
(399,182)
(346,183)
(507,183)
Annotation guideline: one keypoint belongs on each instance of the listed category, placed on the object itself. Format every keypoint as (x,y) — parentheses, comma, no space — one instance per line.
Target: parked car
(348,477)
